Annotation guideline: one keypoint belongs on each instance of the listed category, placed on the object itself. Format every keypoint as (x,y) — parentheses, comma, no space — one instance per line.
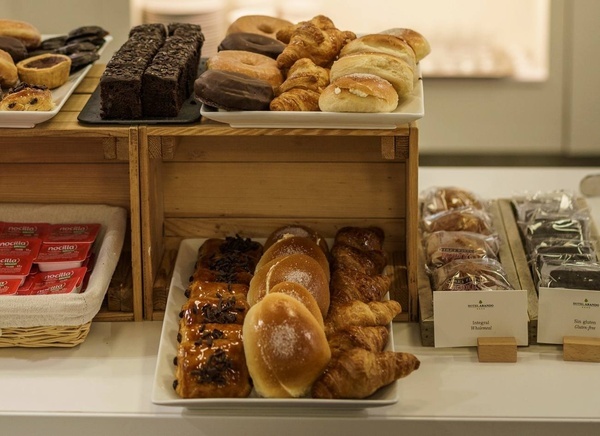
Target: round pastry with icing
(253,42)
(22,30)
(261,24)
(232,91)
(251,64)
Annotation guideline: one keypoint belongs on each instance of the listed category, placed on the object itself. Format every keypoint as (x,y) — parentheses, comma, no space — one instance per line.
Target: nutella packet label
(20,246)
(24,230)
(57,287)
(9,286)
(15,265)
(75,232)
(65,252)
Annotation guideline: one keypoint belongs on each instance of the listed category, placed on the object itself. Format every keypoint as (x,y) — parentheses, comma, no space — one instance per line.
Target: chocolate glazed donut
(253,42)
(232,91)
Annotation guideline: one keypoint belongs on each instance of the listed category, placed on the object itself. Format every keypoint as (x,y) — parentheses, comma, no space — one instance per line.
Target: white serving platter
(60,95)
(410,109)
(162,390)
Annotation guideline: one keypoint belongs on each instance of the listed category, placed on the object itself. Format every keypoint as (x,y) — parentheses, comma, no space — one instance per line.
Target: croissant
(369,338)
(363,238)
(318,40)
(358,373)
(320,21)
(371,262)
(357,313)
(304,74)
(349,284)
(296,100)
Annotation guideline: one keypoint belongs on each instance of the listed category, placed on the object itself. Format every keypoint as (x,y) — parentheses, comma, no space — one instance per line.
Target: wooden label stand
(499,349)
(580,349)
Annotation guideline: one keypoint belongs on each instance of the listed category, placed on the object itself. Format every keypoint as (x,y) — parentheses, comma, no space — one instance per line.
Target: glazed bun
(419,44)
(289,244)
(26,32)
(388,67)
(379,43)
(300,293)
(285,347)
(359,93)
(297,268)
(297,230)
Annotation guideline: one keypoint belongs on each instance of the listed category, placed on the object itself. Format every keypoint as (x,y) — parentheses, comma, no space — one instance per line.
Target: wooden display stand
(581,349)
(497,349)
(61,161)
(211,180)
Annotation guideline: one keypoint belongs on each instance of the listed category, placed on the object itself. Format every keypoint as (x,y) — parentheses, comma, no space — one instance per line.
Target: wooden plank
(408,190)
(497,349)
(135,224)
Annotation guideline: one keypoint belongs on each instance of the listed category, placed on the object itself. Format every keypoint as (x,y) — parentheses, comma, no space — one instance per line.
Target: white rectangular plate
(28,119)
(410,109)
(163,392)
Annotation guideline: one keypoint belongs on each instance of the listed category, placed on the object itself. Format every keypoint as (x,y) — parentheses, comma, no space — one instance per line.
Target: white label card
(463,316)
(567,312)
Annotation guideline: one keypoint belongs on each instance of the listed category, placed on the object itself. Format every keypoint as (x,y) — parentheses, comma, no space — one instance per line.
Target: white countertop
(104,385)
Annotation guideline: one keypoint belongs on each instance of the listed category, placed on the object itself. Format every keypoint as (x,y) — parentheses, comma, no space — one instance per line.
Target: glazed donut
(418,43)
(26,32)
(379,43)
(388,67)
(232,91)
(261,24)
(9,75)
(359,93)
(251,64)
(253,42)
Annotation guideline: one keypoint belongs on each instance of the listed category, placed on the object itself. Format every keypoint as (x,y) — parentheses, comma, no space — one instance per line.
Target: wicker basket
(50,336)
(62,320)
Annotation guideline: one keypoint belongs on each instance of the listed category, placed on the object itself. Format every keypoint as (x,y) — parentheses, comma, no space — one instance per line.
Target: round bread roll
(297,230)
(260,24)
(295,244)
(301,294)
(297,268)
(419,44)
(388,67)
(26,32)
(359,93)
(285,347)
(9,75)
(379,43)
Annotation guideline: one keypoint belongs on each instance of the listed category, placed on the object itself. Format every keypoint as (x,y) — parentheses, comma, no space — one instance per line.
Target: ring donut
(261,24)
(251,64)
(254,42)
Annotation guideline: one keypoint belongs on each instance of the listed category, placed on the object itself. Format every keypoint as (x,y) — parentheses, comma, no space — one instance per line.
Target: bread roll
(286,348)
(297,268)
(300,293)
(388,67)
(22,30)
(359,93)
(9,75)
(379,43)
(297,230)
(418,42)
(292,245)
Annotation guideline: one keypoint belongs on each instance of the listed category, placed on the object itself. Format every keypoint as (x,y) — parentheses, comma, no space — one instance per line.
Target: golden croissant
(296,100)
(375,313)
(349,284)
(304,74)
(358,373)
(369,338)
(318,40)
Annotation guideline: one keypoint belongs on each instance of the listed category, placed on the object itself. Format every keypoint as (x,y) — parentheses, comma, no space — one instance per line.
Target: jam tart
(49,69)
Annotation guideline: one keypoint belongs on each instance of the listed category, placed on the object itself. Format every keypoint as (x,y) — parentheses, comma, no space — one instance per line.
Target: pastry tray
(410,109)
(60,95)
(163,392)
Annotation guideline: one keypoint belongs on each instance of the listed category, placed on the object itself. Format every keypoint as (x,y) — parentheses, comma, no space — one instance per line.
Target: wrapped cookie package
(558,239)
(460,244)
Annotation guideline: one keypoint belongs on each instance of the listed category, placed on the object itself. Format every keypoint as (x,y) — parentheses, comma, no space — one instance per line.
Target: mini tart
(49,69)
